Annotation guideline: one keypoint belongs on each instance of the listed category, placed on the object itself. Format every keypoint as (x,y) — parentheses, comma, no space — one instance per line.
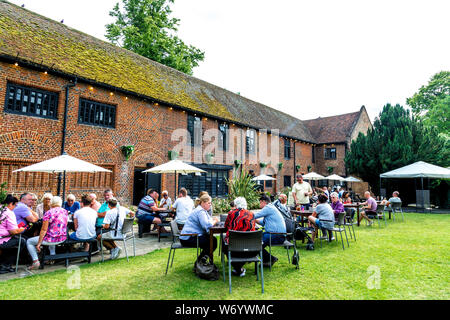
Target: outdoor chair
(127,234)
(18,250)
(176,244)
(348,222)
(340,223)
(245,241)
(396,207)
(286,244)
(378,215)
(68,254)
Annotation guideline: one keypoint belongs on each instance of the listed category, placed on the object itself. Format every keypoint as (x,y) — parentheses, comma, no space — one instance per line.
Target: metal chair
(18,249)
(378,215)
(127,234)
(287,244)
(341,228)
(176,244)
(348,222)
(397,208)
(245,241)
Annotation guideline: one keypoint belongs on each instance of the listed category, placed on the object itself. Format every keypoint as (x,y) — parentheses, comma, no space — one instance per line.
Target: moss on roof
(41,40)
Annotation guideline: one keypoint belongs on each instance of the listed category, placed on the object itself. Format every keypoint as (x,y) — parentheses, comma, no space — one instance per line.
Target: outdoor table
(354,205)
(303,214)
(213,230)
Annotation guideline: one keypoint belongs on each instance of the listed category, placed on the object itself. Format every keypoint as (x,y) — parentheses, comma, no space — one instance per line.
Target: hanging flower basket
(209,157)
(309,168)
(173,155)
(330,170)
(263,164)
(127,151)
(280,165)
(297,167)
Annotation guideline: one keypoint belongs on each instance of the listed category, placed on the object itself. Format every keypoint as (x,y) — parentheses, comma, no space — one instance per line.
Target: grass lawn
(413,260)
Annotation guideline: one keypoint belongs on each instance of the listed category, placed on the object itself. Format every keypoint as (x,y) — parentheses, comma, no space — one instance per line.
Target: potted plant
(280,165)
(209,157)
(330,170)
(127,151)
(309,168)
(297,167)
(263,164)
(173,154)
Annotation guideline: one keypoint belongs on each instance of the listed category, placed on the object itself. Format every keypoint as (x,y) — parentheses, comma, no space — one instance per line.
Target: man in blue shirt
(273,222)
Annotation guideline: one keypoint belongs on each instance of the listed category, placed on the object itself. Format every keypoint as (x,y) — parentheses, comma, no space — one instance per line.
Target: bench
(68,254)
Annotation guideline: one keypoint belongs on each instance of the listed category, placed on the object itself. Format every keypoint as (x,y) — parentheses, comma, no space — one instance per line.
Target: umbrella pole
(175,187)
(64,185)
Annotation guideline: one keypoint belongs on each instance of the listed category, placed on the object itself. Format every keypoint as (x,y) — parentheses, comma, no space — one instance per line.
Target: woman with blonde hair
(45,205)
(199,222)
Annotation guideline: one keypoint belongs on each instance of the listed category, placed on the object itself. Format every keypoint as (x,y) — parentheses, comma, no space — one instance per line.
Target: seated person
(199,222)
(281,205)
(84,222)
(239,219)
(347,200)
(95,204)
(336,204)
(71,205)
(393,199)
(101,212)
(24,214)
(197,202)
(9,232)
(184,206)
(45,205)
(273,222)
(148,210)
(114,218)
(369,208)
(322,217)
(165,202)
(53,231)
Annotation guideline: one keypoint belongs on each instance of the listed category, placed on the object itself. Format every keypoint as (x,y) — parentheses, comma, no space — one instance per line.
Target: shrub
(244,186)
(221,205)
(3,192)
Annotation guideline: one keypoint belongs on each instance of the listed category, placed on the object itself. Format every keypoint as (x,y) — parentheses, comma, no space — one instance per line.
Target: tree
(397,139)
(145,27)
(432,102)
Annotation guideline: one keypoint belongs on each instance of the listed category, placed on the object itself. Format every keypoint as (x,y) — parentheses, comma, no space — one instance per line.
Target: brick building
(63,90)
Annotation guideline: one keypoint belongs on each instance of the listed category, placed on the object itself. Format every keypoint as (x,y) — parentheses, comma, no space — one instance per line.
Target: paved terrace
(148,243)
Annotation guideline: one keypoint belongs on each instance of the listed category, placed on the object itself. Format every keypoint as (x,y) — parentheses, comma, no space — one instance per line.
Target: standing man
(301,191)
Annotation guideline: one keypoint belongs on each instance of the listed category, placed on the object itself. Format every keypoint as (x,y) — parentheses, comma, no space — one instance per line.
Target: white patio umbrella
(62,164)
(351,180)
(263,177)
(174,166)
(313,176)
(335,177)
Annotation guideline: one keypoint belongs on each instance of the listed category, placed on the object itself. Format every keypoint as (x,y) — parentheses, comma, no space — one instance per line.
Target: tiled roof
(333,129)
(33,38)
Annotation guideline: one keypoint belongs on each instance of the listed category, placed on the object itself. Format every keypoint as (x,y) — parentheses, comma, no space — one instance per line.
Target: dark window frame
(250,141)
(89,113)
(313,154)
(223,136)
(192,119)
(329,154)
(48,101)
(287,149)
(285,178)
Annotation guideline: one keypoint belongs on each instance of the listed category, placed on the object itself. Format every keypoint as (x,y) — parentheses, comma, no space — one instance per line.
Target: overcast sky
(306,58)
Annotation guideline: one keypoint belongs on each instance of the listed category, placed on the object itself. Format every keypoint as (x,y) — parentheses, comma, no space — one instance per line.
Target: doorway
(144,181)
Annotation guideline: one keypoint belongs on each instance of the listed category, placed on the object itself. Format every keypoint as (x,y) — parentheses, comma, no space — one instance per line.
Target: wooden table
(354,205)
(212,231)
(303,214)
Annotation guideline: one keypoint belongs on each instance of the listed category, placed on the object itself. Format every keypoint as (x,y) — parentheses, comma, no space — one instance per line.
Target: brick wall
(147,126)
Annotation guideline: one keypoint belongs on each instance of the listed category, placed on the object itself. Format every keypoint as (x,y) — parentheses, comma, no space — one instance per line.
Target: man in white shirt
(84,221)
(301,191)
(113,219)
(184,206)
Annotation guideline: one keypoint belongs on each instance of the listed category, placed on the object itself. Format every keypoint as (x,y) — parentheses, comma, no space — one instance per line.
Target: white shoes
(115,253)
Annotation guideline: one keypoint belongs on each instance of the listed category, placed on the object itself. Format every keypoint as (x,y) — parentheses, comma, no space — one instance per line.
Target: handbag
(205,269)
